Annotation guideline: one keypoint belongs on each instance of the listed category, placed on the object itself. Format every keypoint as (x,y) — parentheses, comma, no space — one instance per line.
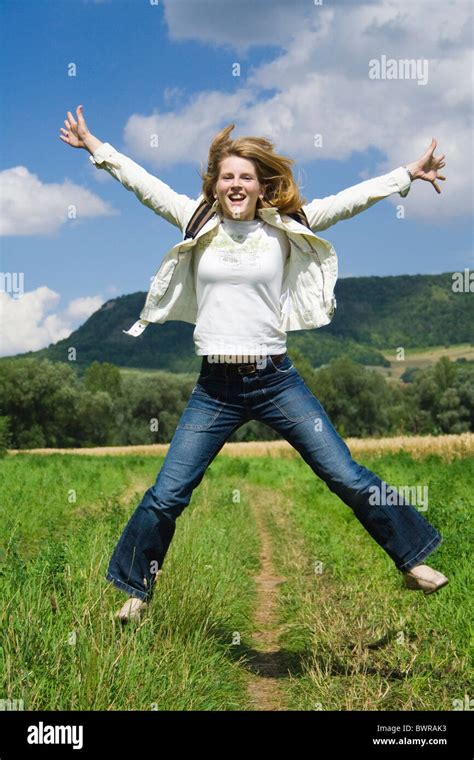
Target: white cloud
(184,134)
(31,207)
(173,94)
(319,83)
(81,308)
(33,321)
(226,23)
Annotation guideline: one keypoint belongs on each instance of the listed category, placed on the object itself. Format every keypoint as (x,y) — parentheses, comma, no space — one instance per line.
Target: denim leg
(295,413)
(205,425)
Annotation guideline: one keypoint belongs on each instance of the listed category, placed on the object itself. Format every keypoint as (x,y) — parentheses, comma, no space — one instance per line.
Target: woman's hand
(76,132)
(427,166)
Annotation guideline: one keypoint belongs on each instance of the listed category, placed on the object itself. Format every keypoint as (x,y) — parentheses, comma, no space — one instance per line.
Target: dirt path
(267,662)
(135,489)
(138,486)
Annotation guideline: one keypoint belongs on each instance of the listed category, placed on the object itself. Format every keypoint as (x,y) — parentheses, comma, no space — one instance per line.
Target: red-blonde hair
(273,170)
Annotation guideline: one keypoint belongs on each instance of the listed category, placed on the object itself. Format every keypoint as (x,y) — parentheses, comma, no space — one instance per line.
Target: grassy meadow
(272,596)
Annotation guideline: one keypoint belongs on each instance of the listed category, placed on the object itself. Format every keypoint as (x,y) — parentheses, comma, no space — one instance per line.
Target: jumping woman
(249,269)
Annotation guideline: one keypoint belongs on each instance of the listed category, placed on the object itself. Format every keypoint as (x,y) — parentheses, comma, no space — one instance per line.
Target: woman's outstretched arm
(324,212)
(151,191)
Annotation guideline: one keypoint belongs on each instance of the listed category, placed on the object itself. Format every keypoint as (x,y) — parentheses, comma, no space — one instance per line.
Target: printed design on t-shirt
(240,251)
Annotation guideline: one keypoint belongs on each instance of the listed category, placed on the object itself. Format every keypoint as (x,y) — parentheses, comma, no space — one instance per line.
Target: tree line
(50,404)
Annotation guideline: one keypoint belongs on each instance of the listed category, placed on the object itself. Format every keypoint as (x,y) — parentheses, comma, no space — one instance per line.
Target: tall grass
(358,639)
(352,636)
(62,649)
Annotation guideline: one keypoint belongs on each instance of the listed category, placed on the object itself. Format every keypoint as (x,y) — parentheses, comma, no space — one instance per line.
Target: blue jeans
(220,402)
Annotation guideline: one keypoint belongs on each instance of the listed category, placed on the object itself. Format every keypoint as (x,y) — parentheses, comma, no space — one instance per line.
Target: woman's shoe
(134,608)
(131,610)
(424,578)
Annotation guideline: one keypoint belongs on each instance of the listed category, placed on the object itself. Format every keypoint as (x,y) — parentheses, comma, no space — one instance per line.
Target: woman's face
(238,188)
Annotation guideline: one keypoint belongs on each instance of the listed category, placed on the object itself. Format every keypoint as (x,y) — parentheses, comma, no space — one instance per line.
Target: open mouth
(236,198)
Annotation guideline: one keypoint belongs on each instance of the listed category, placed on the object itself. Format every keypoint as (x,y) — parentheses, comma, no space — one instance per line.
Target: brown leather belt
(243,369)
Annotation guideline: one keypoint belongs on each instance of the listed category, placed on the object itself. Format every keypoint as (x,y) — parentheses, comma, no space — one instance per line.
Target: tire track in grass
(349,656)
(267,663)
(271,663)
(135,489)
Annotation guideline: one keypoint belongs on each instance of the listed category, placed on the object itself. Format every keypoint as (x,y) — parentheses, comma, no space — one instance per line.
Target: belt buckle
(241,368)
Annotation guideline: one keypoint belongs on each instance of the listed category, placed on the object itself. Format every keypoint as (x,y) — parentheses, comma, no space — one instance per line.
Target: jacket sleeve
(324,212)
(150,190)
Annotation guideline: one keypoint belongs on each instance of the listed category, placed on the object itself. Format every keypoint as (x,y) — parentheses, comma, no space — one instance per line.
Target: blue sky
(169,65)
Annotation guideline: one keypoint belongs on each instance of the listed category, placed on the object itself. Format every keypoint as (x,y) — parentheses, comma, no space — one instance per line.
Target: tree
(357,400)
(103,377)
(5,435)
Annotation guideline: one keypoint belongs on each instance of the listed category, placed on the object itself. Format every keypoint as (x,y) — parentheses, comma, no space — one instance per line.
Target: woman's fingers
(70,127)
(65,136)
(70,134)
(433,182)
(71,123)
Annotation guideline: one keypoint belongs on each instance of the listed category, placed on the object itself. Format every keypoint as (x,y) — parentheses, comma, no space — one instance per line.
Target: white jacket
(307,297)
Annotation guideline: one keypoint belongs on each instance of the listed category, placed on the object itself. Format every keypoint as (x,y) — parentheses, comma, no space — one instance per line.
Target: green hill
(372,313)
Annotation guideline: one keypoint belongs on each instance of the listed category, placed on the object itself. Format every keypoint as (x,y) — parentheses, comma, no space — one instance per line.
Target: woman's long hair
(273,171)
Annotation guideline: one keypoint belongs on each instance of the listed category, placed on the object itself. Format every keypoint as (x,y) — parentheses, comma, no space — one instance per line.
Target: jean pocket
(284,367)
(197,418)
(297,403)
(203,408)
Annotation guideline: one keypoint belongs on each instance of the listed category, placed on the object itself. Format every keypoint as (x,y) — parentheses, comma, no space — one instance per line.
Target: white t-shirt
(238,277)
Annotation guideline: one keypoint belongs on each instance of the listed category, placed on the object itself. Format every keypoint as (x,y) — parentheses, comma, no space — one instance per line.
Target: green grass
(60,647)
(355,598)
(422,358)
